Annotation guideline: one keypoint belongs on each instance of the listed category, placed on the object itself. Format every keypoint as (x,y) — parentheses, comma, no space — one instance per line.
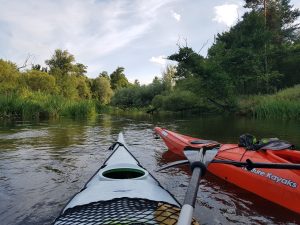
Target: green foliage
(9,76)
(278,109)
(125,97)
(78,109)
(287,63)
(137,96)
(281,19)
(10,106)
(282,105)
(241,55)
(205,79)
(259,55)
(101,89)
(37,80)
(118,79)
(70,76)
(83,87)
(168,77)
(176,101)
(40,106)
(67,86)
(61,62)
(190,63)
(79,69)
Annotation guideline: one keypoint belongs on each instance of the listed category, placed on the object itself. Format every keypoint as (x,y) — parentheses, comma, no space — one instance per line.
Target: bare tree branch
(204,44)
(25,64)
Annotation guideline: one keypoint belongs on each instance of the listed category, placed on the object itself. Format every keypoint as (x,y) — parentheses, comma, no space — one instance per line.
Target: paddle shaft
(186,214)
(250,165)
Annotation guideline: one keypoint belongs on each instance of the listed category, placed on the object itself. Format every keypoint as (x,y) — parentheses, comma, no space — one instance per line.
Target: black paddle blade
(173,164)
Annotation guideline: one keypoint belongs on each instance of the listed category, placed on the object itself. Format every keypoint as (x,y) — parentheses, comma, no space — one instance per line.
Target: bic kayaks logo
(275,178)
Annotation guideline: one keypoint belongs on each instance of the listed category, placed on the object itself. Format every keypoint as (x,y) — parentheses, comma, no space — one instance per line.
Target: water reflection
(44,163)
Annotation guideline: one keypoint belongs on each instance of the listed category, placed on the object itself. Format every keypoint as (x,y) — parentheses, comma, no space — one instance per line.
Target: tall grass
(278,109)
(10,106)
(43,106)
(285,104)
(79,109)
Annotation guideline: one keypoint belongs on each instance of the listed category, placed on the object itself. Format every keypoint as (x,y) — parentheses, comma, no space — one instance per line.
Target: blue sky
(105,34)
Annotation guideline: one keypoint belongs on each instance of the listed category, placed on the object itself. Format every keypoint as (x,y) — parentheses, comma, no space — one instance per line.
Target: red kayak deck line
(281,186)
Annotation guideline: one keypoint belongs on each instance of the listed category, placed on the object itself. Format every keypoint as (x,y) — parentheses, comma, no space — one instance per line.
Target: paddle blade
(173,164)
(203,155)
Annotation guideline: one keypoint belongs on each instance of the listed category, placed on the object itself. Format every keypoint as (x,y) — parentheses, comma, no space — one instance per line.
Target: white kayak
(121,192)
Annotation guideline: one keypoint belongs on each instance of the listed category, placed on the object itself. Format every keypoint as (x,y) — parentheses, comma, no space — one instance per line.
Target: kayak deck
(121,211)
(178,142)
(121,192)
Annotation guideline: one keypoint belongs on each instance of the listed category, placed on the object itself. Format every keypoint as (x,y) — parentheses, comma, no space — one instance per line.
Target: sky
(105,34)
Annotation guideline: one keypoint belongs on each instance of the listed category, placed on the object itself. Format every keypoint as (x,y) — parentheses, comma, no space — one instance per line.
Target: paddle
(197,163)
(249,165)
(199,159)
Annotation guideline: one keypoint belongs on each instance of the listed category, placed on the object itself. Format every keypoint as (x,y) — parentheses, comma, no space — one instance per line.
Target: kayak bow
(121,192)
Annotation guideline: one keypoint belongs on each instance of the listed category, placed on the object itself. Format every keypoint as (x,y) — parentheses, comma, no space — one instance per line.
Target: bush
(177,101)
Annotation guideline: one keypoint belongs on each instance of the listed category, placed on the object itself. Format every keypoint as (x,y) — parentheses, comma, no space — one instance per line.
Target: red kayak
(281,186)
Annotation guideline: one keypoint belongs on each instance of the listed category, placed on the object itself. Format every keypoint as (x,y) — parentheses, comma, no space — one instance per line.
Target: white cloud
(88,29)
(296,6)
(176,16)
(159,60)
(226,14)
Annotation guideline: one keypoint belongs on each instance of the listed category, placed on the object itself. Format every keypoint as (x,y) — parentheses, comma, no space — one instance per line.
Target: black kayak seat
(200,141)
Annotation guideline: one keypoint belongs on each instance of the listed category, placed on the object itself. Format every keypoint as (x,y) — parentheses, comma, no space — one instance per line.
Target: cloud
(176,16)
(226,14)
(296,6)
(88,29)
(159,60)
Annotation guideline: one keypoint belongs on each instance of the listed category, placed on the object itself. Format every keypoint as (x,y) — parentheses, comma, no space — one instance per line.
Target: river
(44,163)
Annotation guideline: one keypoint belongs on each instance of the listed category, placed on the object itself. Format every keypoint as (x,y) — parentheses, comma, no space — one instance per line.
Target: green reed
(283,105)
(43,106)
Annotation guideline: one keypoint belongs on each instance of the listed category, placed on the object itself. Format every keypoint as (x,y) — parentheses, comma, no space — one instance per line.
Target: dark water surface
(42,164)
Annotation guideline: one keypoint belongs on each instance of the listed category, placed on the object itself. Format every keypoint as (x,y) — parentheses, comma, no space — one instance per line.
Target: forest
(251,69)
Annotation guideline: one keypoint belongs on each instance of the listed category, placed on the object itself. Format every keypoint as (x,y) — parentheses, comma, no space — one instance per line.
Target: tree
(136,82)
(197,75)
(118,79)
(101,89)
(104,74)
(256,50)
(280,18)
(190,63)
(168,77)
(70,76)
(38,67)
(83,88)
(61,62)
(80,69)
(39,81)
(9,76)
(240,53)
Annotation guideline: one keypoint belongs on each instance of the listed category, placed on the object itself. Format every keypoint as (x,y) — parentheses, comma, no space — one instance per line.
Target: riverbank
(44,106)
(284,104)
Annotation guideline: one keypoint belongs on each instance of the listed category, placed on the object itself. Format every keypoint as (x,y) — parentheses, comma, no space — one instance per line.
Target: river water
(43,164)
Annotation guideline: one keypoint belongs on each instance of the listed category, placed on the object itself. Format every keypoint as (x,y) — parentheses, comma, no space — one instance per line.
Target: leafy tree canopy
(118,79)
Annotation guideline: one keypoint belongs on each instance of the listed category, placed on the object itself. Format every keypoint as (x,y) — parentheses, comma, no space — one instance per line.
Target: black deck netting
(121,211)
